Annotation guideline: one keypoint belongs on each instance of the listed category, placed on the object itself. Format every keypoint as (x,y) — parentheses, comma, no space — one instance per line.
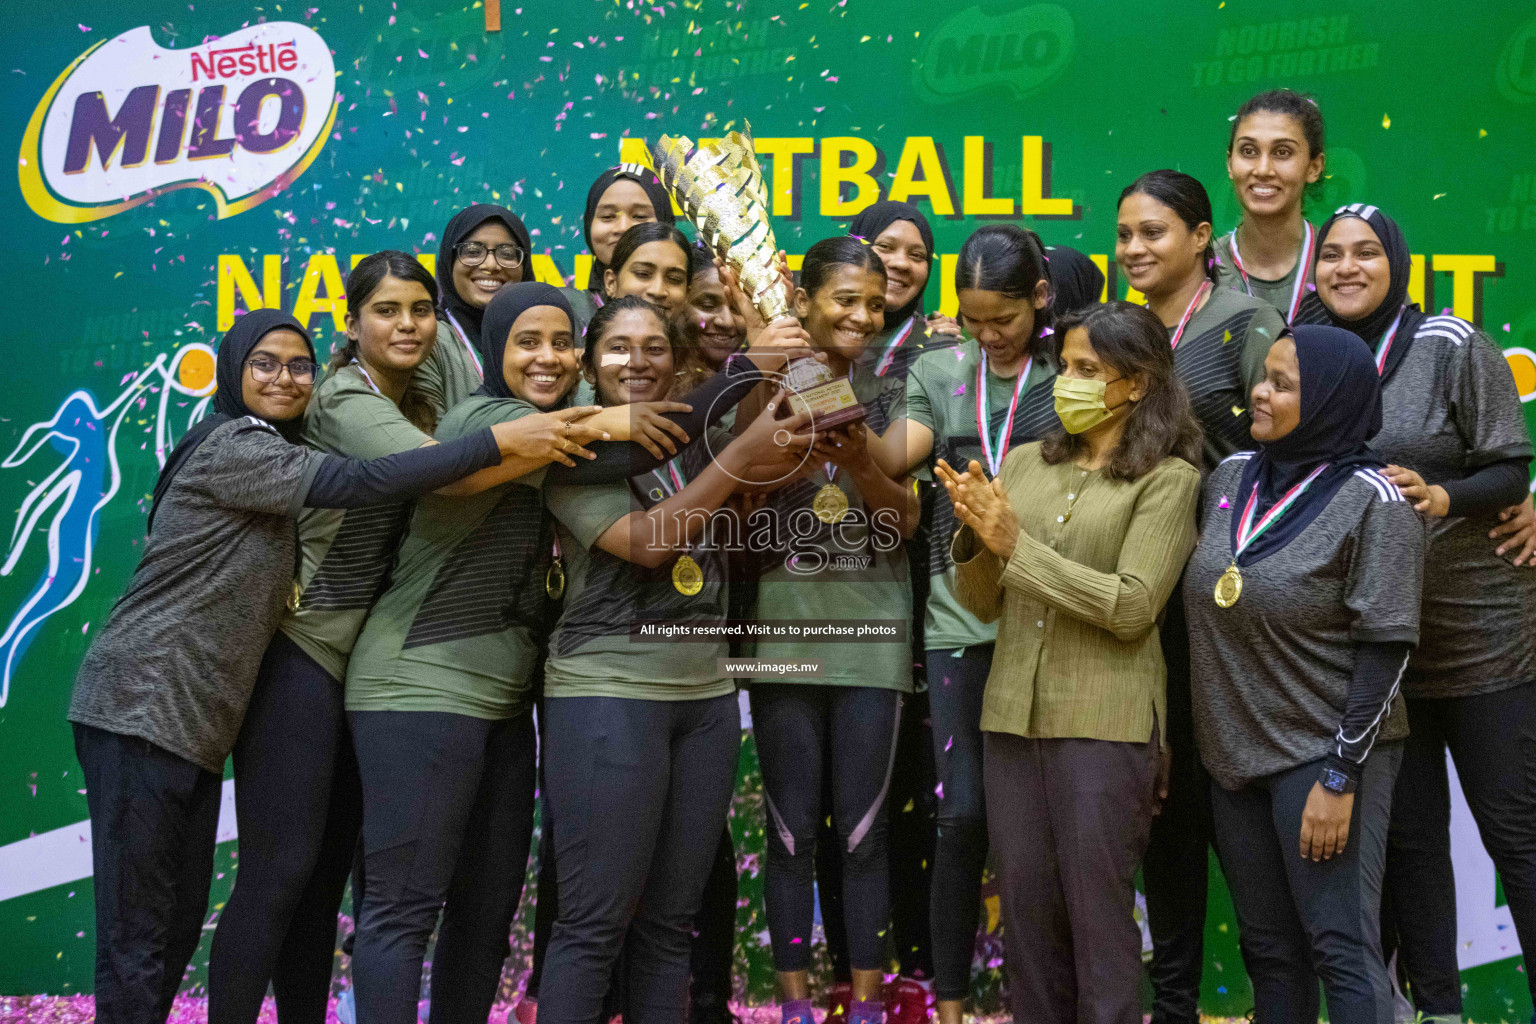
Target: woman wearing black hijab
(620,198)
(1454,432)
(1076,281)
(483,248)
(903,240)
(1303,604)
(160,696)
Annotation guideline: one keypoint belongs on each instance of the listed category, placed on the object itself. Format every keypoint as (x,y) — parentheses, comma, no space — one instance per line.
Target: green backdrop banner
(178,162)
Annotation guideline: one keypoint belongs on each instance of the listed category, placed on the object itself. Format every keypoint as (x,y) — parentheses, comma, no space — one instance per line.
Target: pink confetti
(959,390)
(1224,502)
(83,28)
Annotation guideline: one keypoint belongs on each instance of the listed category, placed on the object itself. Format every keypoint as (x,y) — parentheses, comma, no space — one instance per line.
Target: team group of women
(1232,568)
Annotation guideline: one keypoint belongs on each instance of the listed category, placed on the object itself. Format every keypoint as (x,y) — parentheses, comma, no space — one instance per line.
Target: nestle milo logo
(1024,49)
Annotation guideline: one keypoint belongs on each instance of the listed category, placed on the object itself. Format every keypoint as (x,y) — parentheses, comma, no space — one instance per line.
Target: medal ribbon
(1005,433)
(1309,240)
(1205,289)
(678,481)
(474,356)
(1247,532)
(889,355)
(366,375)
(1385,345)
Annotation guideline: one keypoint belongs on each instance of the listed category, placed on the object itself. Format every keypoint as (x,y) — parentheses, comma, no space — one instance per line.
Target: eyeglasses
(472,254)
(265,369)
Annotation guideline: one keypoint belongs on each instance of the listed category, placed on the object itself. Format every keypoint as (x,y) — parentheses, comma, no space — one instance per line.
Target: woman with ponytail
(161,696)
(297,790)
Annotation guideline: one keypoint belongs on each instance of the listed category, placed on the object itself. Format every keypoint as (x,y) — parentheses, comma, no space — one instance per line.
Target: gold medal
(687,577)
(1230,587)
(831,504)
(554,580)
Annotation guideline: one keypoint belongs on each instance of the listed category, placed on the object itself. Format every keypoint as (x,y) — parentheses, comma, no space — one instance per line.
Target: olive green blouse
(1077,604)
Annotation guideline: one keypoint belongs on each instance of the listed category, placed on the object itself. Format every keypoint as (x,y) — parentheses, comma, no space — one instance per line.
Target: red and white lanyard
(893,346)
(1385,345)
(1247,532)
(1302,267)
(1194,303)
(474,356)
(994,453)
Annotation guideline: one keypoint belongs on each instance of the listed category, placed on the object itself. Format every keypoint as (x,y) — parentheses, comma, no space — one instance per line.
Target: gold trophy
(719,187)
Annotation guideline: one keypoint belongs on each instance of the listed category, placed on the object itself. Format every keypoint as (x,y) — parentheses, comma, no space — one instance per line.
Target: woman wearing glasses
(161,694)
(297,791)
(484,247)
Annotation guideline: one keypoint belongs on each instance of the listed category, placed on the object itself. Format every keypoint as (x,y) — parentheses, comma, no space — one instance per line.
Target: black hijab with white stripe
(661,202)
(1373,326)
(1340,413)
(229,400)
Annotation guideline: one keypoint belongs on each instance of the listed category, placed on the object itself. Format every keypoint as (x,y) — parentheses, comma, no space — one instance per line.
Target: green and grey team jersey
(593,652)
(584,305)
(1282,294)
(1448,409)
(941,395)
(1220,357)
(896,348)
(452,372)
(452,631)
(854,570)
(346,554)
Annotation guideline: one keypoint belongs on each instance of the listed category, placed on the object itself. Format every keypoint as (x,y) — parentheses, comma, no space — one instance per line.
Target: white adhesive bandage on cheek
(613,358)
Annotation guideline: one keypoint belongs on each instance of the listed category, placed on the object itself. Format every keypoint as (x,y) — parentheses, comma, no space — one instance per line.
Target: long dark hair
(1131,340)
(364,280)
(605,316)
(1185,196)
(1289,103)
(1009,260)
(645,233)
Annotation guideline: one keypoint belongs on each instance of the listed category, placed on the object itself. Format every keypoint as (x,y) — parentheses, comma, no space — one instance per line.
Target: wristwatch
(1336,782)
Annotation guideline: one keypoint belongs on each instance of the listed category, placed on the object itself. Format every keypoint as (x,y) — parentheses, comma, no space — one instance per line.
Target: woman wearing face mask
(640,745)
(834,552)
(484,248)
(901,237)
(1219,339)
(298,796)
(620,198)
(1073,550)
(1274,158)
(1303,604)
(161,694)
(1455,436)
(1001,377)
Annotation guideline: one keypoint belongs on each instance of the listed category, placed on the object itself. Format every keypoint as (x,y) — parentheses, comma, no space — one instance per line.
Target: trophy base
(831,405)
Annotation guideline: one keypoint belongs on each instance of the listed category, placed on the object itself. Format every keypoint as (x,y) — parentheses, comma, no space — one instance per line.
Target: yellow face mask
(1080,403)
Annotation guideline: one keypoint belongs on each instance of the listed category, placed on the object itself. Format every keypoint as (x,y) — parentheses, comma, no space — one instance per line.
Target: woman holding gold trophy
(833,550)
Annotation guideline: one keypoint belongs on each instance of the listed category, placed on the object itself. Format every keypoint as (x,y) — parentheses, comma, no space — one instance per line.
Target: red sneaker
(907,1002)
(839,1002)
(526,1011)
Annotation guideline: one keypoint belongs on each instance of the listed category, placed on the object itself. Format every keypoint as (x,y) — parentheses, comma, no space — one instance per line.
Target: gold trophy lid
(719,187)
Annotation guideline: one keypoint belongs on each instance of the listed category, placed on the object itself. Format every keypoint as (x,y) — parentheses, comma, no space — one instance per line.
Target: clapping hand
(983,506)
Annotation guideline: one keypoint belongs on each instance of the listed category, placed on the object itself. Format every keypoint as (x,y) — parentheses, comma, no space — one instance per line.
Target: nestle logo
(242,61)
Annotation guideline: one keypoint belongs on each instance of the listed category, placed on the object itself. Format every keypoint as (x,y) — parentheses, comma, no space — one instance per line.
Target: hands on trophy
(719,187)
